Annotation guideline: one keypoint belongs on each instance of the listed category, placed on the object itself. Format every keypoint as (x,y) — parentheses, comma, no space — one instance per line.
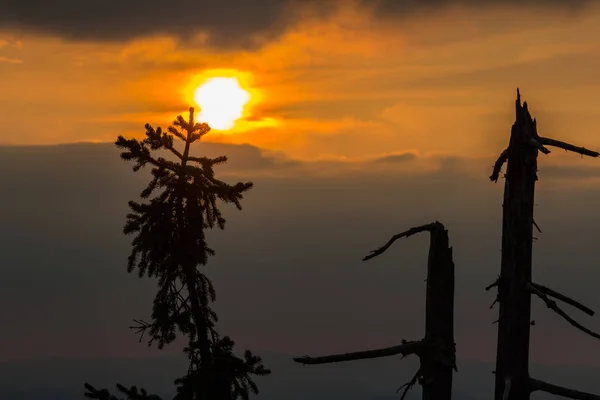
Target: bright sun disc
(221,102)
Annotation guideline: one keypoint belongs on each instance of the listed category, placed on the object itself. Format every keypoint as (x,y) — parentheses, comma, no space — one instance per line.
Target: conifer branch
(406,348)
(131,393)
(551,304)
(410,232)
(537,385)
(175,152)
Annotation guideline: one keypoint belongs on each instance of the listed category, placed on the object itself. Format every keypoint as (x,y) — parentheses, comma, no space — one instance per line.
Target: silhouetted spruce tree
(169,243)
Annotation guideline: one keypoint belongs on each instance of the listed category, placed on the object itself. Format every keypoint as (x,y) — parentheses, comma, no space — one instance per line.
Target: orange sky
(343,86)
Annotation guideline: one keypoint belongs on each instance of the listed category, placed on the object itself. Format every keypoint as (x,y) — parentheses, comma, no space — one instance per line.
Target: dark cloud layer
(295,250)
(393,7)
(229,22)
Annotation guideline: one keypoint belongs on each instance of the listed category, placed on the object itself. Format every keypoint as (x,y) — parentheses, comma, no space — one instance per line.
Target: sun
(221,102)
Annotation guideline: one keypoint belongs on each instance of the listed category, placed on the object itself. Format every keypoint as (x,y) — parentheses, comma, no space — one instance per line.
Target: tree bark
(512,362)
(439,361)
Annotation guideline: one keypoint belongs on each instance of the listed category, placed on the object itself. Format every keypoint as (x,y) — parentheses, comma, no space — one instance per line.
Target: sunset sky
(365,79)
(364,118)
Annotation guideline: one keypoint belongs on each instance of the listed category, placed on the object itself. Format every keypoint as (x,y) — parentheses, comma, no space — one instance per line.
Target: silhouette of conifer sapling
(515,285)
(437,350)
(170,244)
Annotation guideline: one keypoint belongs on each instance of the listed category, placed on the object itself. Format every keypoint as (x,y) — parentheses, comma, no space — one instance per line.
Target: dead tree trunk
(436,351)
(515,284)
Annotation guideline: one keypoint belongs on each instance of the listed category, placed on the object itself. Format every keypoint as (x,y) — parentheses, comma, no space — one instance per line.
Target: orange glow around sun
(221,102)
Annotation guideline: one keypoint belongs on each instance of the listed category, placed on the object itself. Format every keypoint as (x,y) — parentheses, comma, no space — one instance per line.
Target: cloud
(235,23)
(10,60)
(395,7)
(227,22)
(339,85)
(575,172)
(302,230)
(6,44)
(395,158)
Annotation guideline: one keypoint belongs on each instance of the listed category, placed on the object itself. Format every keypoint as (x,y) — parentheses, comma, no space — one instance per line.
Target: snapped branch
(568,147)
(493,284)
(539,145)
(551,304)
(565,299)
(408,385)
(407,348)
(537,385)
(410,232)
(498,165)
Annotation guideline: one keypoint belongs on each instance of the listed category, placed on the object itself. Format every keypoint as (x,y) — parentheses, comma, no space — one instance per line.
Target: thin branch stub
(498,165)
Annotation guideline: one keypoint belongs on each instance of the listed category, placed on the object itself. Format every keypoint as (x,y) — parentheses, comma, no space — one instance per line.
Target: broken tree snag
(436,351)
(439,360)
(537,385)
(551,304)
(413,347)
(438,356)
(517,232)
(514,284)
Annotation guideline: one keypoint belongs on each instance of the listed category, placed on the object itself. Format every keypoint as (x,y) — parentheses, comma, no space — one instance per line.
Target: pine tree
(170,244)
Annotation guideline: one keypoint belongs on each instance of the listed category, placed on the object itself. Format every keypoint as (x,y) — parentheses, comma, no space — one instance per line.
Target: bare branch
(568,147)
(539,146)
(553,306)
(537,385)
(498,165)
(408,385)
(410,232)
(563,298)
(493,284)
(412,347)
